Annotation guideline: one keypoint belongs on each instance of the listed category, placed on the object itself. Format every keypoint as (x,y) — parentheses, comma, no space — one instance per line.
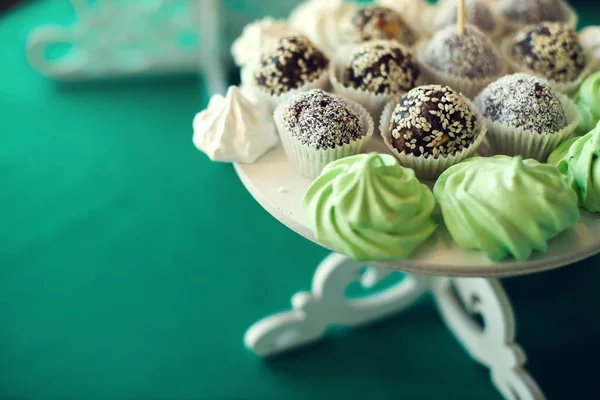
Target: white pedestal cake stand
(461,282)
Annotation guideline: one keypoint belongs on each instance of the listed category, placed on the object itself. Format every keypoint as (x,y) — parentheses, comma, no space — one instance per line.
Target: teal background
(130,265)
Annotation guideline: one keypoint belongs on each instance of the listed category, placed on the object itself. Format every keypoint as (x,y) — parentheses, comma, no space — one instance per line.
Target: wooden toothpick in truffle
(461,16)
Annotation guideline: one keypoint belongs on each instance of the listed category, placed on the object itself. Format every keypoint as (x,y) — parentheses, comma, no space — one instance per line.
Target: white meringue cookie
(322,21)
(233,129)
(257,37)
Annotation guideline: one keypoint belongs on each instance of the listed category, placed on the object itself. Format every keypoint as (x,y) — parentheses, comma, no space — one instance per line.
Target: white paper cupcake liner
(568,88)
(428,168)
(269,101)
(468,87)
(513,141)
(338,75)
(310,162)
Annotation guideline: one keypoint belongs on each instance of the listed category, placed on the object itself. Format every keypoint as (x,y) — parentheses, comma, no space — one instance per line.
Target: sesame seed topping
(413,132)
(383,67)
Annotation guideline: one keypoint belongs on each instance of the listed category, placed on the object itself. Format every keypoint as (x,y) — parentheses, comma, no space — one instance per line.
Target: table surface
(130,265)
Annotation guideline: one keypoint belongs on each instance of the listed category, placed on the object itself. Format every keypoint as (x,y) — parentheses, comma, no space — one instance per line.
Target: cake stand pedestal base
(459,301)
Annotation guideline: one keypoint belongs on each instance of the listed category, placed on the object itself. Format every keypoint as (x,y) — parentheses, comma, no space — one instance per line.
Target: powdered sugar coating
(433,121)
(320,120)
(295,62)
(523,101)
(471,55)
(383,67)
(551,50)
(531,11)
(376,23)
(479,14)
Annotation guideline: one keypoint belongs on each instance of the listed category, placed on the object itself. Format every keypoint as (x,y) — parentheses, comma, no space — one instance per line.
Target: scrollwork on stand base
(459,301)
(327,305)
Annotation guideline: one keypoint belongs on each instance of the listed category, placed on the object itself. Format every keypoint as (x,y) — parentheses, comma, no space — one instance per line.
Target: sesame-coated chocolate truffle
(471,55)
(433,121)
(550,50)
(374,23)
(478,13)
(523,101)
(321,120)
(383,67)
(531,11)
(295,62)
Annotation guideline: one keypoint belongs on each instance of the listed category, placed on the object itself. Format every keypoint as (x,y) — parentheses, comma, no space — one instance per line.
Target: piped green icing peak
(588,102)
(581,169)
(504,205)
(370,208)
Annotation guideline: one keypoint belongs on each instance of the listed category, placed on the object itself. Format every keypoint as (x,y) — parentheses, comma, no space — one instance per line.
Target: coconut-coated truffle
(523,101)
(478,13)
(531,11)
(471,55)
(321,120)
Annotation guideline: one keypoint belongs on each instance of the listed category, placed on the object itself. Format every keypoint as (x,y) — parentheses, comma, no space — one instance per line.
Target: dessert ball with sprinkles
(373,23)
(433,121)
(478,13)
(525,12)
(523,101)
(320,120)
(551,50)
(383,67)
(295,62)
(470,55)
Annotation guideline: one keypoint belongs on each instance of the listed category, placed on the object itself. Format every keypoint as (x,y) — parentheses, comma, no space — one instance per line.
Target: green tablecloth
(130,266)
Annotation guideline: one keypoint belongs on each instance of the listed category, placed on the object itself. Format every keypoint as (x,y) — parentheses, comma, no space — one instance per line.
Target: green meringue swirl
(368,207)
(504,205)
(581,168)
(588,101)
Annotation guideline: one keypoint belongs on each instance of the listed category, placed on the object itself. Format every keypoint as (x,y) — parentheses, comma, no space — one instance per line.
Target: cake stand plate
(462,283)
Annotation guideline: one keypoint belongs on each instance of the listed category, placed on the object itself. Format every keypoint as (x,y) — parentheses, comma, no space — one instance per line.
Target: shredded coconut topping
(433,121)
(532,11)
(295,62)
(523,101)
(321,120)
(478,14)
(471,55)
(383,67)
(551,50)
(372,23)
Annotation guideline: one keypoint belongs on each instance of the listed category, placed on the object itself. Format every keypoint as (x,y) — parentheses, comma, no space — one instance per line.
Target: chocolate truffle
(523,101)
(373,23)
(551,50)
(321,120)
(531,11)
(433,121)
(479,14)
(383,67)
(470,56)
(295,62)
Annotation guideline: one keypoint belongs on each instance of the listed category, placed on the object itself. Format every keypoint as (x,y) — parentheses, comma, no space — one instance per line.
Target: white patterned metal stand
(462,284)
(116,39)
